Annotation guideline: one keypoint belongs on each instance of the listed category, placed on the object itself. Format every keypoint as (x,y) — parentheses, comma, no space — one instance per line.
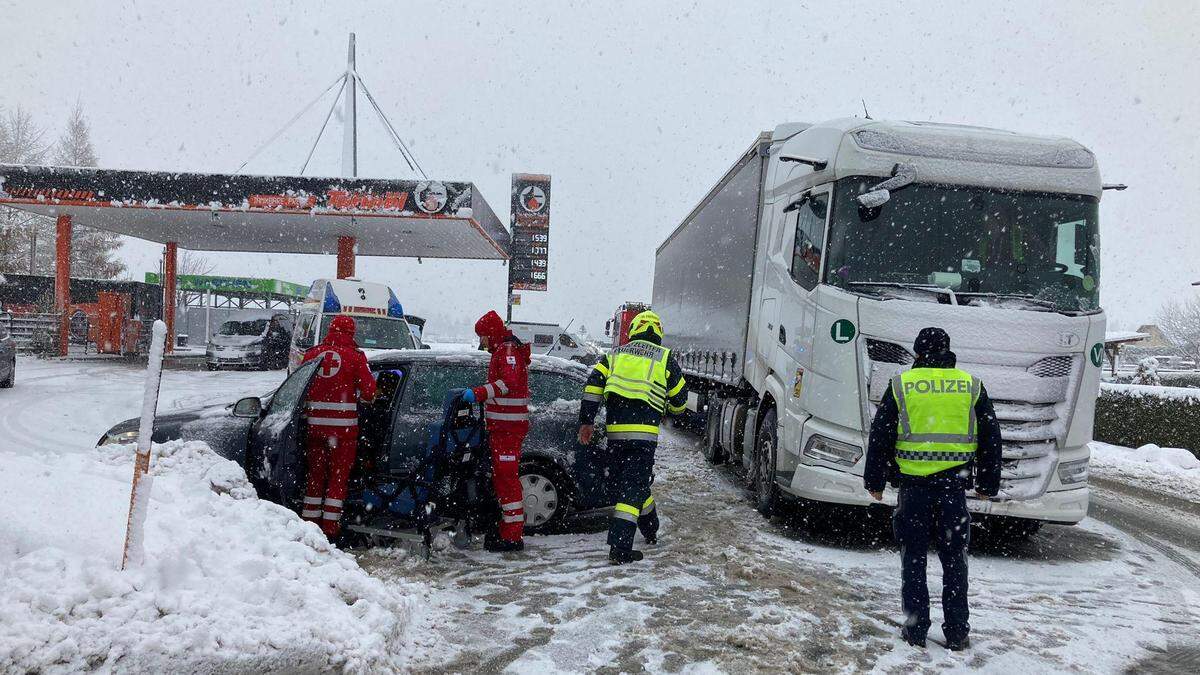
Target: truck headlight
(1073,472)
(119,438)
(829,450)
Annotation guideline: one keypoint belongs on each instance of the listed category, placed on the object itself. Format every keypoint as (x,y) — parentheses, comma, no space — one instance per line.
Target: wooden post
(169,292)
(345,257)
(62,280)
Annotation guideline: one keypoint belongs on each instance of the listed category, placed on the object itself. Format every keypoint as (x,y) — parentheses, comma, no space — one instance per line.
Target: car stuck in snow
(561,479)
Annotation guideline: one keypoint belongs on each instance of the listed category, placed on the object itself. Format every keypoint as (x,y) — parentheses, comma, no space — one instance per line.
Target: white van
(245,340)
(551,340)
(377,314)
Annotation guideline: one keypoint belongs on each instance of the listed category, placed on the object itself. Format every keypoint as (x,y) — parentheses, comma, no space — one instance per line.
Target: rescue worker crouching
(934,423)
(331,410)
(638,382)
(506,410)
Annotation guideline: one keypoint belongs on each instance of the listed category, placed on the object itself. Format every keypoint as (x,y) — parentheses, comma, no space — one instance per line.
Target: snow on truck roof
(943,153)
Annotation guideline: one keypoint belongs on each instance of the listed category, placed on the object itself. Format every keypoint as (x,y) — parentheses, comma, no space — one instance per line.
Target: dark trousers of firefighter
(506,479)
(329,457)
(631,472)
(937,512)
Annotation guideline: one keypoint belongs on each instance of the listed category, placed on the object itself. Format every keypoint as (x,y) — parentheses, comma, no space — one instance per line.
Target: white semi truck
(793,292)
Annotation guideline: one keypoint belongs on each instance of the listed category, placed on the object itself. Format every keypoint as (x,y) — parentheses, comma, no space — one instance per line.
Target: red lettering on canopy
(366,201)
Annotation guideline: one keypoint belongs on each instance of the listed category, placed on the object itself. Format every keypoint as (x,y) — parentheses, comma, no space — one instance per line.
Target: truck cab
(868,231)
(378,316)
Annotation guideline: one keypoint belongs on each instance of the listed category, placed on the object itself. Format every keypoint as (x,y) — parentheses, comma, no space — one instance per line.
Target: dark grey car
(8,353)
(561,478)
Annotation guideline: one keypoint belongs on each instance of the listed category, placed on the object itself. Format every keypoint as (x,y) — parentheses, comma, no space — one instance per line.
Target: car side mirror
(250,407)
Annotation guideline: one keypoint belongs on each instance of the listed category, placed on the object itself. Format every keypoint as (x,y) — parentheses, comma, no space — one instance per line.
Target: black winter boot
(958,644)
(914,640)
(495,544)
(621,556)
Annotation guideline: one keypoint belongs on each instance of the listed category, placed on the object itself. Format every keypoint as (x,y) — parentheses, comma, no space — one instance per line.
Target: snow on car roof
(442,355)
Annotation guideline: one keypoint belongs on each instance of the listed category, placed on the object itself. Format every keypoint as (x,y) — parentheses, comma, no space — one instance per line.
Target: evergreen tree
(93,252)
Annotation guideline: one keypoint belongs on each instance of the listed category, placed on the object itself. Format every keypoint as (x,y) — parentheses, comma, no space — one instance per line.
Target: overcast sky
(634,108)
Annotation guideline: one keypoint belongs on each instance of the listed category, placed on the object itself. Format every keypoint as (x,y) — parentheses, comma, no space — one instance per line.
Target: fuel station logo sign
(533,199)
(431,196)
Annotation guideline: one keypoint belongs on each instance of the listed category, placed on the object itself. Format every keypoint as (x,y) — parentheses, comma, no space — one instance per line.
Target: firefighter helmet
(645,321)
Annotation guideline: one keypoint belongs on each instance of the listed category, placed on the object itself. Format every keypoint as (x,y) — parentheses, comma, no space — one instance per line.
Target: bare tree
(195,263)
(21,233)
(1180,323)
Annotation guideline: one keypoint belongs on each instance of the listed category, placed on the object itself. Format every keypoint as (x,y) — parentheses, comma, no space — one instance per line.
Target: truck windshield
(376,332)
(1012,245)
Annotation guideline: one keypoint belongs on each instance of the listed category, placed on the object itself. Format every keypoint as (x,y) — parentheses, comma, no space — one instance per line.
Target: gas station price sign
(529,253)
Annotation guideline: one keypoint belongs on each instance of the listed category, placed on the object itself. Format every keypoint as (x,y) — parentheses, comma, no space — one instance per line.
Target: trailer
(792,293)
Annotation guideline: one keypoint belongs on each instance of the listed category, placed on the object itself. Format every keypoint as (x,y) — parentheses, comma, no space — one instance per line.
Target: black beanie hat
(931,342)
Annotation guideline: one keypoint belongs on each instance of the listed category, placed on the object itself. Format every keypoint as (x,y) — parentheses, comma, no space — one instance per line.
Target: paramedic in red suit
(506,408)
(342,380)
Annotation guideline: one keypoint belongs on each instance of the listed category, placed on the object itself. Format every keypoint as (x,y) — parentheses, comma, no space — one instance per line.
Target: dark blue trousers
(937,510)
(631,470)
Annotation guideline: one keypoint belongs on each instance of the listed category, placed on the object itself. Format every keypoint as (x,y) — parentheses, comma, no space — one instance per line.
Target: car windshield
(1043,247)
(255,327)
(376,332)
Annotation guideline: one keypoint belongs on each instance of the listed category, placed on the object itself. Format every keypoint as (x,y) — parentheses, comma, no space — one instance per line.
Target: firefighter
(342,380)
(638,382)
(934,424)
(506,410)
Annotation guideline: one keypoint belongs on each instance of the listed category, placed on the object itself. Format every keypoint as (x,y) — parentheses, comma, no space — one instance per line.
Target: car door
(277,438)
(419,409)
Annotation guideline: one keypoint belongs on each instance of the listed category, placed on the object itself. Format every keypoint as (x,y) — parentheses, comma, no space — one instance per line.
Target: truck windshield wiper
(928,288)
(1014,296)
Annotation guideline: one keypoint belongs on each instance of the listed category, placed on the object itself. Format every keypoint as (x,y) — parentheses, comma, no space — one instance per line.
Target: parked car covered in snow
(561,478)
(252,338)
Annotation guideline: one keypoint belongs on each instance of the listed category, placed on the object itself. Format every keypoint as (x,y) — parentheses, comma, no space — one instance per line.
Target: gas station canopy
(266,214)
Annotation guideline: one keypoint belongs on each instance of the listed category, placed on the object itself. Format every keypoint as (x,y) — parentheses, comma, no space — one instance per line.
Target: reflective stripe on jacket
(937,425)
(639,381)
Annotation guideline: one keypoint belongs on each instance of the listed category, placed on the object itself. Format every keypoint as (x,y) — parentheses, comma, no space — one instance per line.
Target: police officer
(638,382)
(933,425)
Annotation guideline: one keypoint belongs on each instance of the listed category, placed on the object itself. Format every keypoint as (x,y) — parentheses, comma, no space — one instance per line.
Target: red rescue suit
(331,409)
(506,409)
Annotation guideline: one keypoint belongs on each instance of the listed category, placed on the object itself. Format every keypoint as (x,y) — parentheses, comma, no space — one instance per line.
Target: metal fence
(35,332)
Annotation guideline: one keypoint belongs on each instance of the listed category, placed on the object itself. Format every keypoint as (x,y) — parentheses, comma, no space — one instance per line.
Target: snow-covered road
(728,589)
(724,587)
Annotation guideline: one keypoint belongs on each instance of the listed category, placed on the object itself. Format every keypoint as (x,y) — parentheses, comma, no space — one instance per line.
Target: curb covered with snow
(230,582)
(1170,471)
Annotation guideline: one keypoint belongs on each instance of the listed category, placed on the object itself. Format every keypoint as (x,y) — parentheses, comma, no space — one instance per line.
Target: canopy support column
(345,257)
(62,280)
(170,260)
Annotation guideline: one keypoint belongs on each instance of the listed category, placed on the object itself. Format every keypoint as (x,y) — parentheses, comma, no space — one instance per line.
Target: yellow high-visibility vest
(937,426)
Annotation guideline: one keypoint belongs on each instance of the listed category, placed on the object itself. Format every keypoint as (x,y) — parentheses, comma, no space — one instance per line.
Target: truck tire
(711,448)
(766,492)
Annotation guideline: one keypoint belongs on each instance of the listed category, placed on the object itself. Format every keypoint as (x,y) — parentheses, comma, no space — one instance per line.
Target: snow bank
(1142,390)
(229,583)
(1173,471)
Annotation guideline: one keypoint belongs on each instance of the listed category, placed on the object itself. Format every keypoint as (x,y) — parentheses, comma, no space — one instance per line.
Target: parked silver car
(8,353)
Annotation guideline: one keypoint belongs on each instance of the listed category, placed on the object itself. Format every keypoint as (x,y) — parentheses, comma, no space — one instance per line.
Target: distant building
(1155,339)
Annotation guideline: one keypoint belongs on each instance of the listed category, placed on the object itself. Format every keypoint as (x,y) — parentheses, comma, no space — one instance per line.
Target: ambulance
(378,316)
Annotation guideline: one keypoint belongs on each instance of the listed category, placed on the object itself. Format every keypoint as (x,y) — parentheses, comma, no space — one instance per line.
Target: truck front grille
(1030,402)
